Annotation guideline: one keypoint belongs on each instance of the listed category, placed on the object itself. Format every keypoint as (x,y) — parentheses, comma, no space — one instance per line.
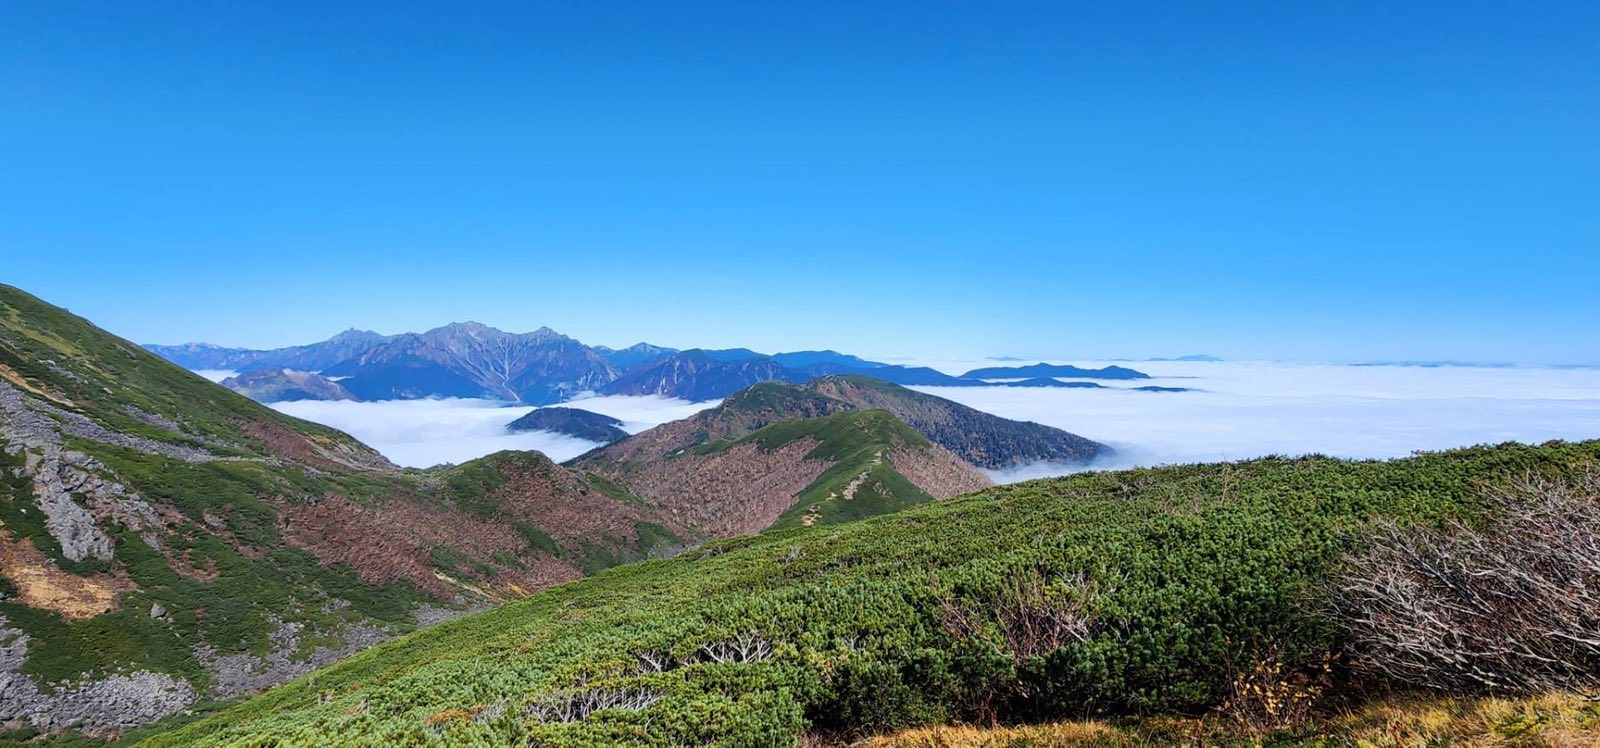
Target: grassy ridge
(1180,571)
(856,442)
(100,374)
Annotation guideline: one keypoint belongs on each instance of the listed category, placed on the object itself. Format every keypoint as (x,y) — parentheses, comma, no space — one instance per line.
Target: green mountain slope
(50,354)
(164,540)
(1103,592)
(778,455)
(862,481)
(980,438)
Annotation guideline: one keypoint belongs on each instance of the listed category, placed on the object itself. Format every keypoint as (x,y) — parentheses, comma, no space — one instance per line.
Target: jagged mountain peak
(643,347)
(353,335)
(634,356)
(475,329)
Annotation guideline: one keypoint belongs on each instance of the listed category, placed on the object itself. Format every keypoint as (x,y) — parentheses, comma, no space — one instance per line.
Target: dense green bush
(1133,591)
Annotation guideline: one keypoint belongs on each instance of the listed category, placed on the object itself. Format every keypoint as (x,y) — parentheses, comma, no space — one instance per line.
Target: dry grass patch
(40,584)
(1553,720)
(1063,734)
(1401,721)
(10,375)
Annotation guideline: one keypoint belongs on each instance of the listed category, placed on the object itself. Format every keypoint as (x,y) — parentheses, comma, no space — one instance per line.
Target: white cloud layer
(639,412)
(216,375)
(1250,409)
(422,433)
(1239,410)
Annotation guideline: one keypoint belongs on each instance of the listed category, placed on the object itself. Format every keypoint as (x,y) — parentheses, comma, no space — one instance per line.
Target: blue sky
(1311,181)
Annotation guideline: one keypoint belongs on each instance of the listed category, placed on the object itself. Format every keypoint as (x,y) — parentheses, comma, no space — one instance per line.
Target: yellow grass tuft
(1400,721)
(1064,734)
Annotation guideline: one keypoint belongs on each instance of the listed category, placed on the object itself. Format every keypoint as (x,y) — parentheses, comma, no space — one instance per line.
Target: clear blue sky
(1327,181)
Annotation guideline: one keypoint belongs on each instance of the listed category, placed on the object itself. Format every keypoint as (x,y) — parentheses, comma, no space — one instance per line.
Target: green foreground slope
(1103,592)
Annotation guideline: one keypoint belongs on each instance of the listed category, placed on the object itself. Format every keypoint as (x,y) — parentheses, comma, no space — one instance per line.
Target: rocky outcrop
(102,445)
(91,705)
(30,420)
(69,523)
(58,476)
(243,673)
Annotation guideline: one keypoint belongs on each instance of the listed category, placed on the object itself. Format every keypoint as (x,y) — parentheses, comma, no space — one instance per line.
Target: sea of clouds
(423,433)
(1236,410)
(1250,409)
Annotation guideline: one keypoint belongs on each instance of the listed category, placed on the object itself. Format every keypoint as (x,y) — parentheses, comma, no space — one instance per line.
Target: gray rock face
(137,698)
(80,499)
(58,475)
(430,615)
(239,674)
(91,705)
(31,420)
(71,524)
(22,424)
(34,429)
(158,421)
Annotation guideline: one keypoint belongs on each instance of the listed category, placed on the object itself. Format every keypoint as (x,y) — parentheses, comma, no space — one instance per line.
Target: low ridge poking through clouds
(1251,409)
(423,433)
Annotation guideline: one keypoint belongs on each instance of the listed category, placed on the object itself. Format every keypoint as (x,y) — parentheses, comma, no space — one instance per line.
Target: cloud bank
(1250,409)
(423,433)
(216,375)
(1238,410)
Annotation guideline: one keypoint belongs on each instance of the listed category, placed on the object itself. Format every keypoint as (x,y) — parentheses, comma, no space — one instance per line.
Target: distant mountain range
(346,345)
(1191,358)
(634,356)
(1052,370)
(468,359)
(464,359)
